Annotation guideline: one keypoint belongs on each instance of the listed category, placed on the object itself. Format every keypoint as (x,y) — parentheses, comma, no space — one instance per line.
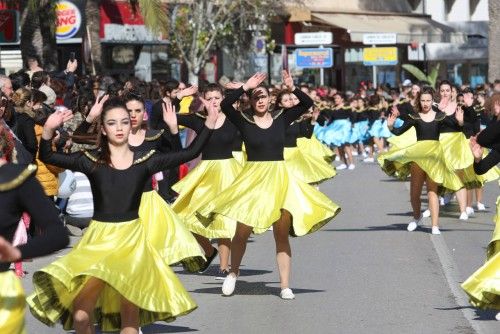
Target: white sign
(313,38)
(378,39)
(128,33)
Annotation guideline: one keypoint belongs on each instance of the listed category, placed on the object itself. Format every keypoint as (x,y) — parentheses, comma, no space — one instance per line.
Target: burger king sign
(69,20)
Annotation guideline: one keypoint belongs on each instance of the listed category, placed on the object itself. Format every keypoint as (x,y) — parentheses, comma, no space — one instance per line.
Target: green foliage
(154,14)
(421,76)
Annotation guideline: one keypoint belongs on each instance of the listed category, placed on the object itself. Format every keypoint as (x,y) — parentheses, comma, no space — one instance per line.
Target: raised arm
(191,121)
(227,106)
(402,129)
(305,102)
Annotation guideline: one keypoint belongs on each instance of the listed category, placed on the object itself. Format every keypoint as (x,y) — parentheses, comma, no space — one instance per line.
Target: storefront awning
(409,28)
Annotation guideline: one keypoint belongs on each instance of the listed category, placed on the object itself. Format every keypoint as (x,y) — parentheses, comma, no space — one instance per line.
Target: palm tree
(494,41)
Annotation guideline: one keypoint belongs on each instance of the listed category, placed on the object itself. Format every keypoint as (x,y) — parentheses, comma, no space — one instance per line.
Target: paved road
(362,273)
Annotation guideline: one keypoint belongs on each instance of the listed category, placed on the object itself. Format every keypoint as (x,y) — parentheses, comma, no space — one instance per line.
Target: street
(362,273)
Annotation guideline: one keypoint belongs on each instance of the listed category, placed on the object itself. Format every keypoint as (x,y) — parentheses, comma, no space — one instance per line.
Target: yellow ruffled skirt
(316,148)
(483,287)
(121,255)
(428,155)
(167,233)
(306,167)
(456,149)
(12,303)
(406,139)
(261,190)
(472,181)
(198,187)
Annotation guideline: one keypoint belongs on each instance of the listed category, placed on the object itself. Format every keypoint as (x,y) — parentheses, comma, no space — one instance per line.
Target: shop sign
(314,58)
(69,20)
(380,56)
(313,38)
(128,33)
(379,38)
(9,26)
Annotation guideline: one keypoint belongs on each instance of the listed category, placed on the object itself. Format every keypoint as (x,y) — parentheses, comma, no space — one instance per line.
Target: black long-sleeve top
(405,109)
(362,115)
(117,192)
(296,130)
(220,144)
(472,121)
(160,140)
(343,112)
(156,119)
(490,138)
(264,144)
(21,192)
(25,131)
(427,130)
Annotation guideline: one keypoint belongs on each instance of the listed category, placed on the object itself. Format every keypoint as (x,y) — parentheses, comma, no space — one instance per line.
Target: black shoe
(209,261)
(221,274)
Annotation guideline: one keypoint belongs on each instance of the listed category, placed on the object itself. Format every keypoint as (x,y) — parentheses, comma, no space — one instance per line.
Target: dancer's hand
(288,80)
(187,92)
(254,81)
(395,111)
(459,116)
(96,109)
(477,150)
(233,85)
(55,120)
(212,115)
(169,116)
(8,253)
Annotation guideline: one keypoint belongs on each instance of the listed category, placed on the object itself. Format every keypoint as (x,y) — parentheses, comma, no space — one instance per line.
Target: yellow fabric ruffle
(428,155)
(261,190)
(483,287)
(456,149)
(494,245)
(198,187)
(472,181)
(240,156)
(167,233)
(121,255)
(406,139)
(315,148)
(306,167)
(12,303)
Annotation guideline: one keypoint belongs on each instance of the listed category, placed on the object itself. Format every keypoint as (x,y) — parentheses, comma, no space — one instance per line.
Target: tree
(421,76)
(198,26)
(494,40)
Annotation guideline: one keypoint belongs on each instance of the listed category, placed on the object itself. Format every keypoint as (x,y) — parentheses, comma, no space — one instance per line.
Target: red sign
(9,26)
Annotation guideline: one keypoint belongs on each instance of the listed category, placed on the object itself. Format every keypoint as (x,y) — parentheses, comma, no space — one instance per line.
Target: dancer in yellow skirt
(114,276)
(424,160)
(266,193)
(21,192)
(483,286)
(455,145)
(163,227)
(216,171)
(306,167)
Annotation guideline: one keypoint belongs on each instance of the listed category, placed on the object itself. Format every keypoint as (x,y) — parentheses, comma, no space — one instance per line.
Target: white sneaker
(287,293)
(354,154)
(412,226)
(368,159)
(365,155)
(435,230)
(341,167)
(480,207)
(463,216)
(426,213)
(229,284)
(469,211)
(337,158)
(351,167)
(441,201)
(498,316)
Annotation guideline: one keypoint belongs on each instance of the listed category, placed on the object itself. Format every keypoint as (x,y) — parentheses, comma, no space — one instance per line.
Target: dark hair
(19,79)
(426,90)
(444,82)
(213,87)
(59,87)
(342,96)
(373,100)
(133,96)
(170,85)
(280,96)
(104,155)
(83,101)
(7,143)
(113,90)
(39,78)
